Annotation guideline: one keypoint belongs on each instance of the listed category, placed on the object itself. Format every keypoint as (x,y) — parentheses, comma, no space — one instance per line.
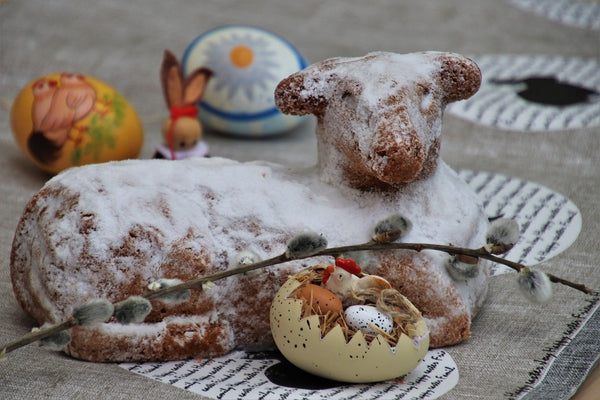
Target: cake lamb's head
(379,116)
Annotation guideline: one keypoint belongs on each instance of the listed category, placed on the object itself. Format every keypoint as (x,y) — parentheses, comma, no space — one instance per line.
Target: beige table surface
(121,42)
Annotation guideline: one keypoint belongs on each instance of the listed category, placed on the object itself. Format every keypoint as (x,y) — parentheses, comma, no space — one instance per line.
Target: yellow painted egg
(67,119)
(335,356)
(248,63)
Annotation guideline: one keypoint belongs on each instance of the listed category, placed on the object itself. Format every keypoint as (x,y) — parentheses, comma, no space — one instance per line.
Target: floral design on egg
(248,63)
(242,62)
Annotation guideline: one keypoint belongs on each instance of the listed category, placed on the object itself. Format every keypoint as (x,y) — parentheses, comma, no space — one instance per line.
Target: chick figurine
(182,132)
(345,278)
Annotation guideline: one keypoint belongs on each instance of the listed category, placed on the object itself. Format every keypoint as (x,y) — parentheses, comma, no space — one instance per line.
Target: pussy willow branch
(34,336)
(452,250)
(197,283)
(336,251)
(332,251)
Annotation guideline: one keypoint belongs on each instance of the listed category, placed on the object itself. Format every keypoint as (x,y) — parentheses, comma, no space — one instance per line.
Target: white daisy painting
(248,63)
(242,63)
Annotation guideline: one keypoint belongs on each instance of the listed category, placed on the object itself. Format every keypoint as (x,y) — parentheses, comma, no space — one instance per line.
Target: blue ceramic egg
(248,63)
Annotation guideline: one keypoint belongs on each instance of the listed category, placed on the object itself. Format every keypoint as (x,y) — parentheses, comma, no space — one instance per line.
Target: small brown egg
(322,299)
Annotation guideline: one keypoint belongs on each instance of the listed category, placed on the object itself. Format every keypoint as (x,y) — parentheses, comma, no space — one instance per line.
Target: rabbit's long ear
(171,78)
(195,84)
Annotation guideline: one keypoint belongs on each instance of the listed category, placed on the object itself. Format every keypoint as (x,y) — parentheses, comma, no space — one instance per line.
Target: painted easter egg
(67,119)
(248,63)
(368,319)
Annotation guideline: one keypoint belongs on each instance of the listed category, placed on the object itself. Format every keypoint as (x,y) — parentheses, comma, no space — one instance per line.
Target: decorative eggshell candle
(66,119)
(330,356)
(248,63)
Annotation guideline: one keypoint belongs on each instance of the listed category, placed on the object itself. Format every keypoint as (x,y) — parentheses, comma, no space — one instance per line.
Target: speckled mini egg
(247,63)
(364,318)
(358,361)
(67,119)
(320,298)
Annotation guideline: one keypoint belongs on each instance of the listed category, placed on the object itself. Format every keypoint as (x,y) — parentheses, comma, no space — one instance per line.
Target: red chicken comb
(346,264)
(327,273)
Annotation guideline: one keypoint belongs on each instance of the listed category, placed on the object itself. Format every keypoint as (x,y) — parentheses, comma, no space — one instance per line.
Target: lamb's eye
(349,99)
(426,99)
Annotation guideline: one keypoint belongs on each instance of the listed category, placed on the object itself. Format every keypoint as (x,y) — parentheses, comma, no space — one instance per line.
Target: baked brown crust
(109,230)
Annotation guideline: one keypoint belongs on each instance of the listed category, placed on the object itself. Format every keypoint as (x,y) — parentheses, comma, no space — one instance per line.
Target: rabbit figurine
(182,132)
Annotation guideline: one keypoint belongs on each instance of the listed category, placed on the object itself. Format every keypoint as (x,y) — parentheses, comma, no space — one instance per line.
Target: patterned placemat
(549,223)
(577,13)
(566,363)
(241,375)
(536,93)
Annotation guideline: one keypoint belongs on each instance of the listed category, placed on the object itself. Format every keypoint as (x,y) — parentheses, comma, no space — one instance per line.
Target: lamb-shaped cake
(109,230)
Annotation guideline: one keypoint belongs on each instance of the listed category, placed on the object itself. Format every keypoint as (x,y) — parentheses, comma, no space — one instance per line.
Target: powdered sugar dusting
(373,107)
(219,200)
(108,230)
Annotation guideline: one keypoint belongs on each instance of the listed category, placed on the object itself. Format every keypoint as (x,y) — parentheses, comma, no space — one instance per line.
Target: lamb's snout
(382,112)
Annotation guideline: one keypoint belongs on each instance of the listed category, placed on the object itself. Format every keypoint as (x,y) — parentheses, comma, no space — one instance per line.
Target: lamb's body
(109,230)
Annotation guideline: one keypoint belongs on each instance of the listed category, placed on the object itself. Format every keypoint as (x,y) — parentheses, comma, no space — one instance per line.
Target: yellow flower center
(241,56)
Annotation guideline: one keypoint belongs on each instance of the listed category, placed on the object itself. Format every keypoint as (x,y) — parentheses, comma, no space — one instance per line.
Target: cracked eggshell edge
(299,340)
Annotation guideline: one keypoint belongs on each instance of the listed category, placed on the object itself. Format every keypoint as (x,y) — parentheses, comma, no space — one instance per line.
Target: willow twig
(452,250)
(331,251)
(39,334)
(197,283)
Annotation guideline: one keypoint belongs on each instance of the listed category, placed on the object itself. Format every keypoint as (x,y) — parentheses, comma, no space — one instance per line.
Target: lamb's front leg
(432,291)
(174,338)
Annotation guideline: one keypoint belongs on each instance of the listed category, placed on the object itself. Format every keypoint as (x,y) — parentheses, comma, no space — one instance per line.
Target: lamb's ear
(299,95)
(171,78)
(195,84)
(460,77)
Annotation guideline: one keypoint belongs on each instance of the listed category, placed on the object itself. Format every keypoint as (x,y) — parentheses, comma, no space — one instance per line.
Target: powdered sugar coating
(379,116)
(109,230)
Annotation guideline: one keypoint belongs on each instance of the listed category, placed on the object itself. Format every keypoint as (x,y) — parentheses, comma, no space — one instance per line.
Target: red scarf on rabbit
(176,112)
